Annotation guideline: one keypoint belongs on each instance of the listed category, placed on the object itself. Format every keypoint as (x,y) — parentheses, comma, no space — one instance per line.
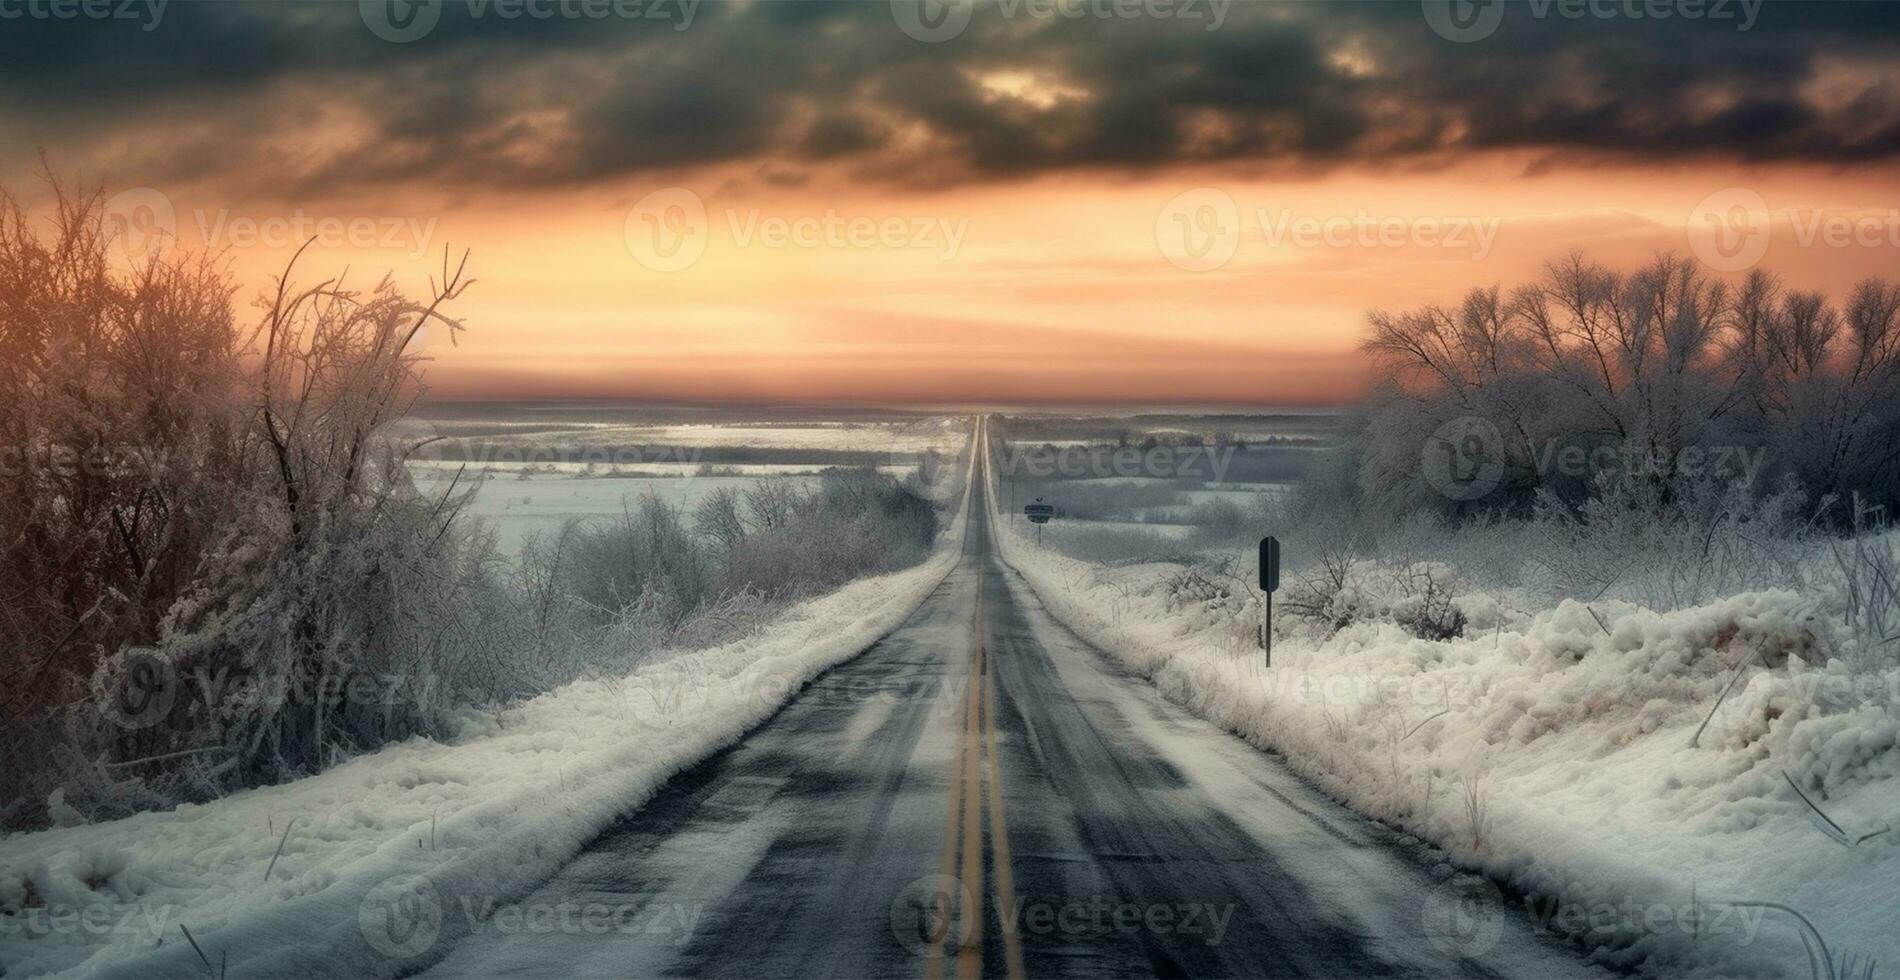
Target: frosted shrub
(1861,578)
(121,450)
(603,596)
(1425,603)
(1669,546)
(242,535)
(325,620)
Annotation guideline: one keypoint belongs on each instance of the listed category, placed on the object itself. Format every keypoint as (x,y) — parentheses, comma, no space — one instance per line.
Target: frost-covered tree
(1653,364)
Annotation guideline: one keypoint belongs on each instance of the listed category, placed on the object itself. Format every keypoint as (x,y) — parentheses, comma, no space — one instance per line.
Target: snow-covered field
(298,879)
(519,507)
(876,437)
(536,480)
(1553,750)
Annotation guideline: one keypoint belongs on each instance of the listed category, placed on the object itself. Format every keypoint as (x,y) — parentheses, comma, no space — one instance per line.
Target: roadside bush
(214,533)
(1669,546)
(601,596)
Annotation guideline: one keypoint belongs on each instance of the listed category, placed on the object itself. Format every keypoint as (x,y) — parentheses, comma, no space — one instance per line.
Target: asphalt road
(981,793)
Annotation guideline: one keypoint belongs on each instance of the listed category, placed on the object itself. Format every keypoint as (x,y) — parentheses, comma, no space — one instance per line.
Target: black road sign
(1039,513)
(1269,564)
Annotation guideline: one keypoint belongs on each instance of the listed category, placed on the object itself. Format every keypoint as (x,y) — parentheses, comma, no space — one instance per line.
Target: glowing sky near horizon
(1027,213)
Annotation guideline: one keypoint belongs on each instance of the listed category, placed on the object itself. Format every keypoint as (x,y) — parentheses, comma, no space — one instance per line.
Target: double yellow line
(978,768)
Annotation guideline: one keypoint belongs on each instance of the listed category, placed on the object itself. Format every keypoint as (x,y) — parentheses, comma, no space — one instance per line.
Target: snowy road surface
(981,793)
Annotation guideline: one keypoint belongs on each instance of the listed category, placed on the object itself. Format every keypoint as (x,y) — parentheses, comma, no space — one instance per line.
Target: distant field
(1151,486)
(540,466)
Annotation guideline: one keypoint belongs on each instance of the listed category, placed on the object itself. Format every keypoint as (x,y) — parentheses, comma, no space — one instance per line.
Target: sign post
(1039,514)
(1269,582)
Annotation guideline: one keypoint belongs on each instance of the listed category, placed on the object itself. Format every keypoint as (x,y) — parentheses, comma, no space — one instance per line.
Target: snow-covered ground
(1552,749)
(537,480)
(344,873)
(541,503)
(943,434)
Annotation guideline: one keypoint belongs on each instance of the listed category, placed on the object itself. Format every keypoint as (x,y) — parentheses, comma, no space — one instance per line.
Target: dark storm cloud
(305,96)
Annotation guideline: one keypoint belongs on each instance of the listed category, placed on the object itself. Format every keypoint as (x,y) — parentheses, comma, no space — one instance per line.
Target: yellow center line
(977,762)
(970,956)
(999,842)
(947,859)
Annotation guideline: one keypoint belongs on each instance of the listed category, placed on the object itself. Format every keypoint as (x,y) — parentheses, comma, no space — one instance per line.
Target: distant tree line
(1664,375)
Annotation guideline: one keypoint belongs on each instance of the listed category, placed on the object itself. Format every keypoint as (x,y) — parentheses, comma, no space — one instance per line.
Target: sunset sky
(1075,201)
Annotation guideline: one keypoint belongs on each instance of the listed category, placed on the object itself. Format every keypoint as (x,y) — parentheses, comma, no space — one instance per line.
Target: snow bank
(1553,752)
(380,856)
